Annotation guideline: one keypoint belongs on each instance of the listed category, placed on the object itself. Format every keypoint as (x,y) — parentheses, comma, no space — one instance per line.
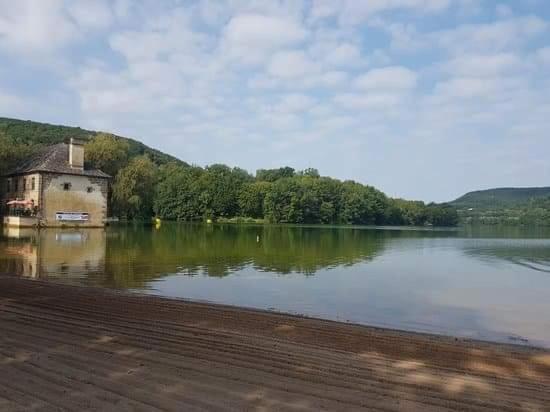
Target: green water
(486,283)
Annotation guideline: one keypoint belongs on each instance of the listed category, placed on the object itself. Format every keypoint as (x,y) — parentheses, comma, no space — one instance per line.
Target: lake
(487,283)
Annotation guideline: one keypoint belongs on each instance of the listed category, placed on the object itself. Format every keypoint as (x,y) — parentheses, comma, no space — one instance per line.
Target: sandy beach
(76,348)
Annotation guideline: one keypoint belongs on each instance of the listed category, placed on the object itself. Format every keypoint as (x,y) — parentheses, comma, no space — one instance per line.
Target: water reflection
(533,254)
(51,254)
(221,250)
(484,283)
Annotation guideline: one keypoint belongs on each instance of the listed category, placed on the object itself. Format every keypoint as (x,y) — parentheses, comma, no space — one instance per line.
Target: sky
(423,99)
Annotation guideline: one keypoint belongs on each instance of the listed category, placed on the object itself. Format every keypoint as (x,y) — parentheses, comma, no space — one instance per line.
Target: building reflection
(52,253)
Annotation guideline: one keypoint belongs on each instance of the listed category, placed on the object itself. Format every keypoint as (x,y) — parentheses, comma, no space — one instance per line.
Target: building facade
(54,189)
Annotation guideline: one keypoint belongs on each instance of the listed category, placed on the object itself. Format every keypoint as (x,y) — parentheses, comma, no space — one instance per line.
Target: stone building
(53,188)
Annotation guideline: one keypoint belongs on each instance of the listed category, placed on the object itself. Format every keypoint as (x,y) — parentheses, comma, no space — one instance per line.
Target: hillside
(42,134)
(501,198)
(160,185)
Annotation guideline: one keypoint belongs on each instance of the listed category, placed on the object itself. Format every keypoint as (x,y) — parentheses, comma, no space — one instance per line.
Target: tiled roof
(54,159)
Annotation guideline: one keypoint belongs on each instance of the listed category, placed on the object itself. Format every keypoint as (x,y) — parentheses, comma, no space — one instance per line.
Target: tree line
(534,212)
(145,186)
(176,191)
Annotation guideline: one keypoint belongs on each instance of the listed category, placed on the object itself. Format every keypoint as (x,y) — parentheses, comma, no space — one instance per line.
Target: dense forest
(534,212)
(150,183)
(507,206)
(501,198)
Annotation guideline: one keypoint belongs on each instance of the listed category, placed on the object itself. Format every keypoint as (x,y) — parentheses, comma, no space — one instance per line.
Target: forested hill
(32,134)
(147,182)
(501,198)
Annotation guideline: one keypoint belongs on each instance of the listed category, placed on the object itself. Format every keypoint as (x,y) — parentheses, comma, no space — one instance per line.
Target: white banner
(72,216)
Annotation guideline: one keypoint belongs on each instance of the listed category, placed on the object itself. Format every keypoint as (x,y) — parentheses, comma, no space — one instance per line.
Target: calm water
(487,283)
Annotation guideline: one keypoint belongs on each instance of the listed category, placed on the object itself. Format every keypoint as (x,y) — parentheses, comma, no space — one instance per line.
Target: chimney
(76,154)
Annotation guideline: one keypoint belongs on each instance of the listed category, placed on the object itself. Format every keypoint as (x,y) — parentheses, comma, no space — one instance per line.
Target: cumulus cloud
(394,78)
(484,64)
(372,83)
(378,101)
(294,102)
(28,27)
(290,64)
(474,87)
(251,37)
(342,55)
(91,15)
(495,36)
(355,12)
(492,37)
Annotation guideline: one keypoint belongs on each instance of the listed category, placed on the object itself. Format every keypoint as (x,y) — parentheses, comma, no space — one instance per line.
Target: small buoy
(208,221)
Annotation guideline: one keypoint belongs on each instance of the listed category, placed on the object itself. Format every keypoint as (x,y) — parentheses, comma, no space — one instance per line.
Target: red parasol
(20,203)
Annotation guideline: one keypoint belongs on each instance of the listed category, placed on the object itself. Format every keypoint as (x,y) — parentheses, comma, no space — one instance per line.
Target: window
(66,186)
(8,186)
(33,183)
(89,189)
(24,184)
(16,185)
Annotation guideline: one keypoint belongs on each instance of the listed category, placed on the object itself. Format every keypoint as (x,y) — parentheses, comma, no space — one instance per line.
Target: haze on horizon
(424,99)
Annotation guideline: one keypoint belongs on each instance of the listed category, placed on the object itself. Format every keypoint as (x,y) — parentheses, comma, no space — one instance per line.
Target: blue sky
(424,99)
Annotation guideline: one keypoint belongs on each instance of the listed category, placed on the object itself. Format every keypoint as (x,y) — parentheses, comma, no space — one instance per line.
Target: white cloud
(492,37)
(284,73)
(319,80)
(39,28)
(251,37)
(377,101)
(388,78)
(328,79)
(476,87)
(121,8)
(161,36)
(478,65)
(29,27)
(295,102)
(544,55)
(289,64)
(496,36)
(91,14)
(343,55)
(355,12)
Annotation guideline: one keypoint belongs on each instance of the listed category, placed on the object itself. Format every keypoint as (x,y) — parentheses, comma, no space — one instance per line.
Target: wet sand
(75,348)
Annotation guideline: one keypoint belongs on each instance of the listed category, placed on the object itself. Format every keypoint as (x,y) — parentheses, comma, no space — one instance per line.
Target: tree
(311,172)
(362,205)
(178,194)
(134,188)
(271,175)
(252,197)
(281,203)
(12,153)
(221,186)
(441,215)
(412,212)
(107,153)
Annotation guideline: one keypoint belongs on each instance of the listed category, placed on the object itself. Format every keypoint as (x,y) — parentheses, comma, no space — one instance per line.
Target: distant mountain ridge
(44,134)
(501,197)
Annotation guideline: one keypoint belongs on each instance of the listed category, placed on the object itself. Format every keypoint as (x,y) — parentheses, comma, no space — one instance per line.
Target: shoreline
(92,347)
(522,343)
